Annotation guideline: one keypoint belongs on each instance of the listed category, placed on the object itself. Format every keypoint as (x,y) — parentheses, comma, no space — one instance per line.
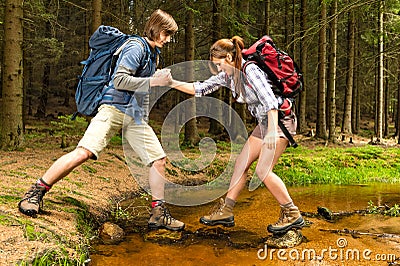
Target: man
(125,105)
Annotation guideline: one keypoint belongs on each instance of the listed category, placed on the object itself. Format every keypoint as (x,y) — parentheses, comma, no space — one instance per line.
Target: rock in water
(290,239)
(163,235)
(111,233)
(325,212)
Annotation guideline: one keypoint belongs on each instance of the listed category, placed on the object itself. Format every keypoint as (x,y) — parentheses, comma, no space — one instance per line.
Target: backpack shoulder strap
(133,38)
(248,62)
(285,130)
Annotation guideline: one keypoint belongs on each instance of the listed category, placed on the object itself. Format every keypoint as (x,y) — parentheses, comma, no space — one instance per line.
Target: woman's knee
(263,173)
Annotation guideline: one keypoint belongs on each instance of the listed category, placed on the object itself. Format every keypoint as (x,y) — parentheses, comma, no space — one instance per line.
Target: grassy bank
(356,165)
(310,164)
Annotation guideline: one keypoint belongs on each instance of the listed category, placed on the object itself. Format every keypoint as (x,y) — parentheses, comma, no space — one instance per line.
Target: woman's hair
(221,48)
(159,21)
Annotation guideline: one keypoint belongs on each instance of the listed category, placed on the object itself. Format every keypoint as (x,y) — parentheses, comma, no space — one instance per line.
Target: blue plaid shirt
(258,92)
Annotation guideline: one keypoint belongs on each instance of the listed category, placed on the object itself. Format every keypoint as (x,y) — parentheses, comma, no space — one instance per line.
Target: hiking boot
(221,214)
(32,202)
(160,217)
(290,218)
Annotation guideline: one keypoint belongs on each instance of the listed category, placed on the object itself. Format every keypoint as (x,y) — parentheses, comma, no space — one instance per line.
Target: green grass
(65,124)
(8,220)
(85,223)
(393,211)
(60,256)
(56,257)
(358,165)
(321,165)
(4,199)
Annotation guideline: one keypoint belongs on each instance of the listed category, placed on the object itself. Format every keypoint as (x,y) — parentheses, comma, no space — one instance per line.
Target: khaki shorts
(289,121)
(108,121)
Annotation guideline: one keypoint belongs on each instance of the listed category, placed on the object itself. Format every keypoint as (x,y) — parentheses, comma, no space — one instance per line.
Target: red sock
(41,183)
(155,203)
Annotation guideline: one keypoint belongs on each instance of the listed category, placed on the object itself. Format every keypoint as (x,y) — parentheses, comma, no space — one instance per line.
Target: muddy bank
(80,201)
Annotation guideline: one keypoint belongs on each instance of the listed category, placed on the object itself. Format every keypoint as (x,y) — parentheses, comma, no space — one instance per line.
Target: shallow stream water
(243,244)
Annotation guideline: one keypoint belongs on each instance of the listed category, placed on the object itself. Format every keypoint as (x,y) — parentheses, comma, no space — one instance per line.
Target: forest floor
(85,197)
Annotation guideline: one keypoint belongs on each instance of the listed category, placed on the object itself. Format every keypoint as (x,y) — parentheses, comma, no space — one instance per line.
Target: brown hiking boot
(221,214)
(32,202)
(160,217)
(290,218)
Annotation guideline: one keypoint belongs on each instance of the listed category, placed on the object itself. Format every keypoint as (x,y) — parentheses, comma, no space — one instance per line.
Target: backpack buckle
(286,106)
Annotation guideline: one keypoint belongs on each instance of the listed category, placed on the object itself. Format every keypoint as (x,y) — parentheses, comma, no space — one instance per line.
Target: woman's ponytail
(238,45)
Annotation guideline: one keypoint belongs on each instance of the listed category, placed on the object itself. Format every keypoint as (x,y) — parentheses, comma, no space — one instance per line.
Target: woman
(257,92)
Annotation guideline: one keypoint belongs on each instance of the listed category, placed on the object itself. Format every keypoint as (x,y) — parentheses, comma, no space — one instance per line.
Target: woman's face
(164,38)
(224,64)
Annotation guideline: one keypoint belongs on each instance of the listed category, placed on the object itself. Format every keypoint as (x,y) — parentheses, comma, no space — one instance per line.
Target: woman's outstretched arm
(183,86)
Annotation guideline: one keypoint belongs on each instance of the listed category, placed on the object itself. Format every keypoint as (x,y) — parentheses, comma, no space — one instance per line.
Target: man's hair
(159,21)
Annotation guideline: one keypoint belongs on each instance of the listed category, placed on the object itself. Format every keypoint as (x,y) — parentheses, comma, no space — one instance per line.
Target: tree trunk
(355,117)
(386,116)
(216,127)
(96,22)
(267,11)
(398,105)
(238,107)
(302,125)
(12,136)
(294,34)
(44,94)
(332,73)
(379,118)
(346,126)
(191,133)
(321,95)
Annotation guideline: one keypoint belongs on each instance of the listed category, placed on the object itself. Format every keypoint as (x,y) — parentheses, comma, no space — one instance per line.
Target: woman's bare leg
(247,156)
(267,161)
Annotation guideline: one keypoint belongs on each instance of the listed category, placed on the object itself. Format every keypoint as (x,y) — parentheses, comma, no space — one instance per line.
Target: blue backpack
(105,45)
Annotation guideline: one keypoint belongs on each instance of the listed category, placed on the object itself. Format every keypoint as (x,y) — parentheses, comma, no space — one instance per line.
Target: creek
(243,244)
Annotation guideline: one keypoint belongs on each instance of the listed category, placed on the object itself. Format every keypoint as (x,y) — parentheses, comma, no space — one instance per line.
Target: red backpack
(280,67)
(281,70)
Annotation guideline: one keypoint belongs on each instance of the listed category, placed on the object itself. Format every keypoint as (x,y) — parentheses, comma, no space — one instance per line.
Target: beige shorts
(289,121)
(108,121)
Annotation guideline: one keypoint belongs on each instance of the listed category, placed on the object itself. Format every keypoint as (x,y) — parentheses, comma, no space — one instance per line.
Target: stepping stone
(290,239)
(162,235)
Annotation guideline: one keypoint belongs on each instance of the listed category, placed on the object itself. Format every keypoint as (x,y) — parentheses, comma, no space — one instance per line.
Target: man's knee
(160,163)
(83,154)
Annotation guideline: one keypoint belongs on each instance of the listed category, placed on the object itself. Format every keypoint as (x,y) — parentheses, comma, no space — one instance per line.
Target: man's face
(164,38)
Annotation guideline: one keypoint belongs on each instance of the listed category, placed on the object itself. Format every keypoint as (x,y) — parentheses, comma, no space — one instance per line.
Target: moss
(89,169)
(4,199)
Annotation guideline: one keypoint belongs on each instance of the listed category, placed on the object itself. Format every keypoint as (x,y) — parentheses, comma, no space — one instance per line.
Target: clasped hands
(162,77)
